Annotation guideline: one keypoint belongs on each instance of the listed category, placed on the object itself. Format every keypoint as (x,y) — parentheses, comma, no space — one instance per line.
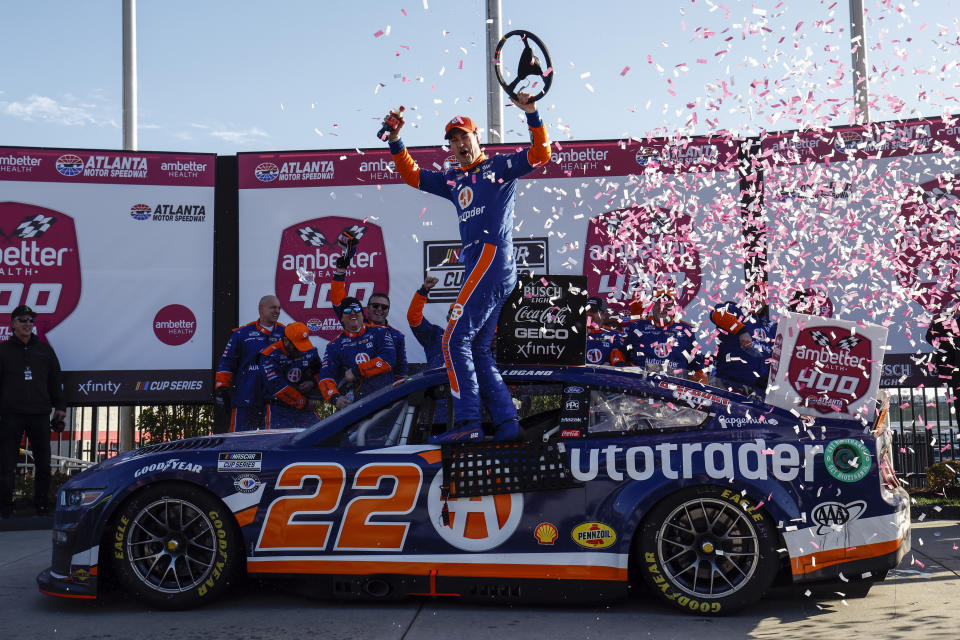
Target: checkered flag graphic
(34,226)
(312,237)
(820,338)
(849,342)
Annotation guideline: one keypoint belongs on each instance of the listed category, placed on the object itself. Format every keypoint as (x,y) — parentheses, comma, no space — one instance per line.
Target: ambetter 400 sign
(39,263)
(826,367)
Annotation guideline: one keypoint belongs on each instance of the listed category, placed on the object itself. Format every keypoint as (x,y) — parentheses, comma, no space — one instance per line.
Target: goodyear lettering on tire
(683,600)
(118,536)
(217,572)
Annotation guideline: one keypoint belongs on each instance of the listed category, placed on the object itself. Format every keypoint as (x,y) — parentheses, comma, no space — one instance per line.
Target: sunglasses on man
(354,308)
(25,319)
(378,306)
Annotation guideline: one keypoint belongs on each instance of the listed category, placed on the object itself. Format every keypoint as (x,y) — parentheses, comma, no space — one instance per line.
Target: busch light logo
(174,325)
(832,516)
(39,263)
(305,270)
(926,261)
(140,211)
(266,172)
(830,368)
(641,248)
(69,165)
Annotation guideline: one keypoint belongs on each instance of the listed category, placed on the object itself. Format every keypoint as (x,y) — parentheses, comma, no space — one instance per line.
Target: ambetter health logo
(174,325)
(39,262)
(310,248)
(830,368)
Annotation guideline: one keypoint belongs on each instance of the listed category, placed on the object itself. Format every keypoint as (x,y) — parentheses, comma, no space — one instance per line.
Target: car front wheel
(175,546)
(706,550)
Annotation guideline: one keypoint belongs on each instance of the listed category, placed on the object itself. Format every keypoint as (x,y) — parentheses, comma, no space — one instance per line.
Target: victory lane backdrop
(562,226)
(114,251)
(544,321)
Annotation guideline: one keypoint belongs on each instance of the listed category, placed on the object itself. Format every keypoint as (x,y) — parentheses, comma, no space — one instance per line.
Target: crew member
(285,366)
(604,342)
(745,342)
(658,341)
(238,374)
(361,357)
(31,386)
(483,191)
(429,335)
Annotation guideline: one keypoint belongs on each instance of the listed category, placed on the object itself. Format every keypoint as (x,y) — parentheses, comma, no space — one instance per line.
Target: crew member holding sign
(483,190)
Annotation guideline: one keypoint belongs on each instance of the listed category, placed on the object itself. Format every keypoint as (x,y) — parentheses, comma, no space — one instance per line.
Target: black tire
(174,546)
(701,551)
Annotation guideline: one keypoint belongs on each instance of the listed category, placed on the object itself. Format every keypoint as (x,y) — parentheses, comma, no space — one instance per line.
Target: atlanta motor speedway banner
(113,250)
(630,216)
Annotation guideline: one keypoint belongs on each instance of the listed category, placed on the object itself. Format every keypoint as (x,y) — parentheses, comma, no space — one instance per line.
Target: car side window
(617,411)
(378,430)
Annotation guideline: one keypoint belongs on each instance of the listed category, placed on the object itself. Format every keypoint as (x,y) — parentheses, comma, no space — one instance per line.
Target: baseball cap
(299,335)
(23,310)
(346,303)
(460,122)
(596,303)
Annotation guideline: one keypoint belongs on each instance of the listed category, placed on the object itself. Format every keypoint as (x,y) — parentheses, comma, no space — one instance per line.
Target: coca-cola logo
(830,368)
(305,269)
(174,325)
(926,259)
(548,316)
(39,263)
(639,250)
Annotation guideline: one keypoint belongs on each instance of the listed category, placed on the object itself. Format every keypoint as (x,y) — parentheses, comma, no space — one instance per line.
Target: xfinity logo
(551,350)
(98,387)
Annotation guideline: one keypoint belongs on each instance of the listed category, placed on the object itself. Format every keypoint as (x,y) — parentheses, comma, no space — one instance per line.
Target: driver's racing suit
(484,196)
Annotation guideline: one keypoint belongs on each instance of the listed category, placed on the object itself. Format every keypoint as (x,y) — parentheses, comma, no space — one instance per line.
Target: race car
(624,479)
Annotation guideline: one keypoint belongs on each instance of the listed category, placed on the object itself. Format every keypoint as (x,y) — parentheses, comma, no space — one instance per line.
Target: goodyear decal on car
(594,535)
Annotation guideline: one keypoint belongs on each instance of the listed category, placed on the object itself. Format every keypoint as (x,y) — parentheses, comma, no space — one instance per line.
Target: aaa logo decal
(474,524)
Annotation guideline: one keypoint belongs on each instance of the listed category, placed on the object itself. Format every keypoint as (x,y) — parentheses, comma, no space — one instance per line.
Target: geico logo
(30,254)
(541,332)
(361,358)
(718,460)
(319,260)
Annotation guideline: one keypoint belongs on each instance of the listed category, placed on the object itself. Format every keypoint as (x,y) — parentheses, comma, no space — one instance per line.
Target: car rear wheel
(175,546)
(707,550)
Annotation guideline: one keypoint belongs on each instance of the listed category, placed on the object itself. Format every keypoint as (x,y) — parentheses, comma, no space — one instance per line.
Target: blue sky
(226,76)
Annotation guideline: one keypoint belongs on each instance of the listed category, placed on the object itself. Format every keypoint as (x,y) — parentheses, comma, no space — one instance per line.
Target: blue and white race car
(625,478)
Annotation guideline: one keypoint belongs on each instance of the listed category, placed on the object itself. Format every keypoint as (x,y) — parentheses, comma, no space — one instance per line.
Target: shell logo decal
(545,533)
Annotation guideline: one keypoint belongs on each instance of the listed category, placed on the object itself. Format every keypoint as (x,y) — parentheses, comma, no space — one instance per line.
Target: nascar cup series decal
(39,262)
(310,247)
(847,460)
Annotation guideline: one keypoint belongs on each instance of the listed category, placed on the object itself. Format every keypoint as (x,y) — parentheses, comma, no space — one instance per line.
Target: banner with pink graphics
(114,252)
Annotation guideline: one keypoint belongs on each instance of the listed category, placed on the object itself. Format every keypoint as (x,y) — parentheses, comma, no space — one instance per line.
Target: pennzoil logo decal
(594,535)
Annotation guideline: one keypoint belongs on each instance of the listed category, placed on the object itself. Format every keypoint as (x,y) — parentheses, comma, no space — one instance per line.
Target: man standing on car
(30,386)
(483,190)
(238,374)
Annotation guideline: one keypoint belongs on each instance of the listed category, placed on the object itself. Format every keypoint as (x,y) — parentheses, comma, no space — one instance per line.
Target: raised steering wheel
(536,68)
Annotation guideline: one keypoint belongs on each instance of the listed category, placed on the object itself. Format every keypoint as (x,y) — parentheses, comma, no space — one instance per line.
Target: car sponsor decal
(832,516)
(174,464)
(240,461)
(246,483)
(847,460)
(474,524)
(719,460)
(594,535)
(546,533)
(829,367)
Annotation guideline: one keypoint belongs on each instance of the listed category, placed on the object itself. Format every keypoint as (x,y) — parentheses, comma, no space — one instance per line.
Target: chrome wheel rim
(171,545)
(708,548)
